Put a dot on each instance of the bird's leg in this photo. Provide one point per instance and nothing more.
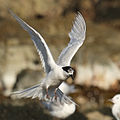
(55, 94)
(47, 95)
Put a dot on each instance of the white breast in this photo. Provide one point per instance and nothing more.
(116, 111)
(55, 77)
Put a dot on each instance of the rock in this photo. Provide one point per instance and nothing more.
(92, 9)
(98, 10)
(30, 8)
(85, 103)
(95, 115)
(16, 58)
(88, 8)
(28, 78)
(106, 10)
(102, 76)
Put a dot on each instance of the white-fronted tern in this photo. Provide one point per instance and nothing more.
(57, 72)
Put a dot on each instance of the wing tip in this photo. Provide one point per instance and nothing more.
(79, 27)
(80, 18)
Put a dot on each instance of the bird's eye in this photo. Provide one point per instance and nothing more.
(70, 70)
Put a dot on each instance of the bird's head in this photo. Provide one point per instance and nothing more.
(115, 99)
(69, 71)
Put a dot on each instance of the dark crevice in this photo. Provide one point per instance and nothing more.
(36, 62)
(39, 16)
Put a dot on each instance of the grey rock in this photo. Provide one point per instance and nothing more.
(97, 115)
(28, 78)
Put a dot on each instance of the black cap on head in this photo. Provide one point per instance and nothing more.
(66, 68)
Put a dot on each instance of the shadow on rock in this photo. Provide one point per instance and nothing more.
(77, 116)
(106, 111)
(30, 111)
(26, 112)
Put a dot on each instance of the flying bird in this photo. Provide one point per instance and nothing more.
(116, 106)
(56, 72)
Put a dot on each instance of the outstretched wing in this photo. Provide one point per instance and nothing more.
(77, 37)
(41, 46)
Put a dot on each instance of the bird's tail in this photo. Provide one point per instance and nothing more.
(63, 98)
(40, 92)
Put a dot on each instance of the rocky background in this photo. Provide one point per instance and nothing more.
(97, 63)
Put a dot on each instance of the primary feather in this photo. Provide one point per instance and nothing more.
(77, 37)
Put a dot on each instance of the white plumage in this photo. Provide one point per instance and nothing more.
(116, 106)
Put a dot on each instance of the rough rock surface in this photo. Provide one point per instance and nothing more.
(29, 8)
(97, 115)
(32, 109)
(28, 78)
(92, 9)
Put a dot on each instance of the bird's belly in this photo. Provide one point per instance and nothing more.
(54, 79)
(55, 83)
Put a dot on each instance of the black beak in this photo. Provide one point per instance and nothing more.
(72, 77)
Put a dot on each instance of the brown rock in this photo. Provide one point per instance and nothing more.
(28, 8)
(97, 116)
